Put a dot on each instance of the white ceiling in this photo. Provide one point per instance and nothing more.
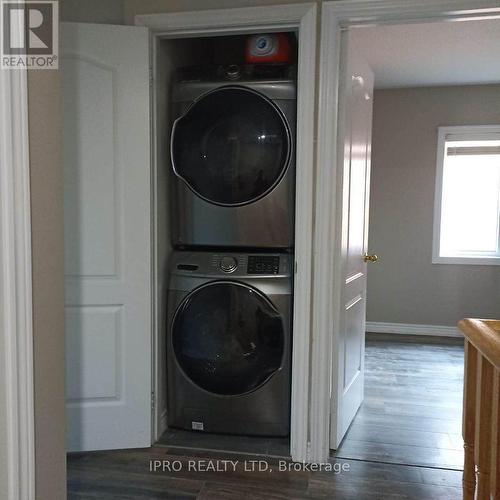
(415, 55)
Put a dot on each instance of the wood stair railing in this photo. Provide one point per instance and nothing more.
(481, 410)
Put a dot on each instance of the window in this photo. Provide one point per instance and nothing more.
(467, 203)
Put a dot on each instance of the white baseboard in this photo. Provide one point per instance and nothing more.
(413, 329)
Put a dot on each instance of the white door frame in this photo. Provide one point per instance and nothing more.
(16, 320)
(336, 17)
(302, 18)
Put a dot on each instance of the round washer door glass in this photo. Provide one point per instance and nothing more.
(228, 338)
(232, 146)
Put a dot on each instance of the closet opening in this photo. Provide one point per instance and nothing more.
(224, 127)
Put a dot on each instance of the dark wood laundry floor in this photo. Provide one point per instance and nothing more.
(255, 445)
(405, 443)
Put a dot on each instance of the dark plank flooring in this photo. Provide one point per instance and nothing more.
(412, 412)
(274, 447)
(127, 475)
(404, 444)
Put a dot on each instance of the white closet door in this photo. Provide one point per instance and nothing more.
(106, 154)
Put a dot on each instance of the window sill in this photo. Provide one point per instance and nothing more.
(468, 261)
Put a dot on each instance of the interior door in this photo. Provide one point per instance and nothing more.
(355, 123)
(106, 155)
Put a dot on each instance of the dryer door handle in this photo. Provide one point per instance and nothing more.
(172, 135)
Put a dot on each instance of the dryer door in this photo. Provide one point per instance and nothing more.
(228, 338)
(232, 146)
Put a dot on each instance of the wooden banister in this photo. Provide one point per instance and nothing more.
(484, 334)
(481, 409)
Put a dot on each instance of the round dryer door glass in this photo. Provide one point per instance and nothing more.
(232, 146)
(228, 338)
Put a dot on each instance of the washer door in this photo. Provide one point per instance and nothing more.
(228, 338)
(232, 146)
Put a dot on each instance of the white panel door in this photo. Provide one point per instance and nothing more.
(106, 155)
(355, 137)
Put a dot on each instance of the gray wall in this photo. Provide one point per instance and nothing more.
(92, 11)
(404, 286)
(124, 11)
(48, 283)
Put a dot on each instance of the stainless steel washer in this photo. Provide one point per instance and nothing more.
(232, 152)
(229, 342)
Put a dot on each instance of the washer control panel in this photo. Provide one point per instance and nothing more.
(228, 264)
(263, 264)
(237, 265)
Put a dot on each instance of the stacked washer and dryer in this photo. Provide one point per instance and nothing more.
(230, 289)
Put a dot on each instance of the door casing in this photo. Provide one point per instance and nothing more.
(300, 18)
(17, 398)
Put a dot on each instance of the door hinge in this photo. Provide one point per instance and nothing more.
(151, 77)
(153, 401)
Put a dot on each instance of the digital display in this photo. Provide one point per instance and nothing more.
(263, 264)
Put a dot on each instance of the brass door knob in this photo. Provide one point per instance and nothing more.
(370, 258)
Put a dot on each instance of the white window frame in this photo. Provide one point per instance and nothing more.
(467, 132)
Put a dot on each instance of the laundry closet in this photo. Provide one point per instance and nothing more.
(180, 203)
(225, 206)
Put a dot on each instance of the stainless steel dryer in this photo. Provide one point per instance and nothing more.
(232, 151)
(229, 343)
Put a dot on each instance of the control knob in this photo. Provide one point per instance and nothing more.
(228, 264)
(232, 72)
